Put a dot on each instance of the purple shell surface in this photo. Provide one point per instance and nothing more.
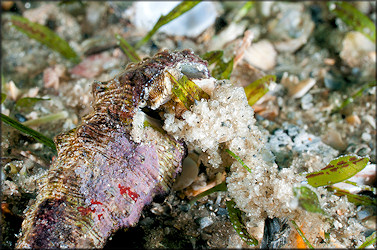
(102, 178)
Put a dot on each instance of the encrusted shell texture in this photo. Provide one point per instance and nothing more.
(102, 178)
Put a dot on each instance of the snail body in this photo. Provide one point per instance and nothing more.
(104, 175)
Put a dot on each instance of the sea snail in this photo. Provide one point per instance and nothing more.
(104, 175)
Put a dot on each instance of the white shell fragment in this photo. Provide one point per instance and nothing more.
(144, 15)
(296, 88)
(334, 139)
(261, 55)
(230, 33)
(189, 173)
(14, 92)
(291, 31)
(207, 85)
(358, 49)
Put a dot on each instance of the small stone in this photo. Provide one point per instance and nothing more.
(306, 102)
(353, 120)
(261, 55)
(370, 120)
(221, 211)
(52, 75)
(333, 82)
(157, 208)
(333, 139)
(291, 30)
(296, 88)
(184, 207)
(370, 223)
(189, 173)
(145, 14)
(364, 213)
(205, 222)
(6, 5)
(14, 92)
(366, 137)
(357, 49)
(20, 117)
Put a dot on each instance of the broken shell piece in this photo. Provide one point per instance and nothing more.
(295, 88)
(353, 120)
(370, 222)
(370, 120)
(230, 33)
(194, 192)
(207, 85)
(261, 55)
(358, 50)
(10, 189)
(189, 173)
(267, 107)
(6, 5)
(52, 75)
(14, 92)
(41, 14)
(144, 15)
(329, 61)
(244, 74)
(246, 41)
(333, 139)
(291, 31)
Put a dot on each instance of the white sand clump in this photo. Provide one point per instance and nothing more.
(226, 121)
(265, 191)
(225, 117)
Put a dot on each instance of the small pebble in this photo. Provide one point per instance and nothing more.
(205, 222)
(370, 120)
(334, 139)
(189, 173)
(366, 137)
(364, 213)
(222, 211)
(333, 82)
(306, 102)
(184, 207)
(20, 118)
(353, 120)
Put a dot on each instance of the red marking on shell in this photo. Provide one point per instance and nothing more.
(341, 163)
(95, 202)
(100, 216)
(130, 193)
(313, 175)
(334, 169)
(353, 158)
(345, 165)
(85, 210)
